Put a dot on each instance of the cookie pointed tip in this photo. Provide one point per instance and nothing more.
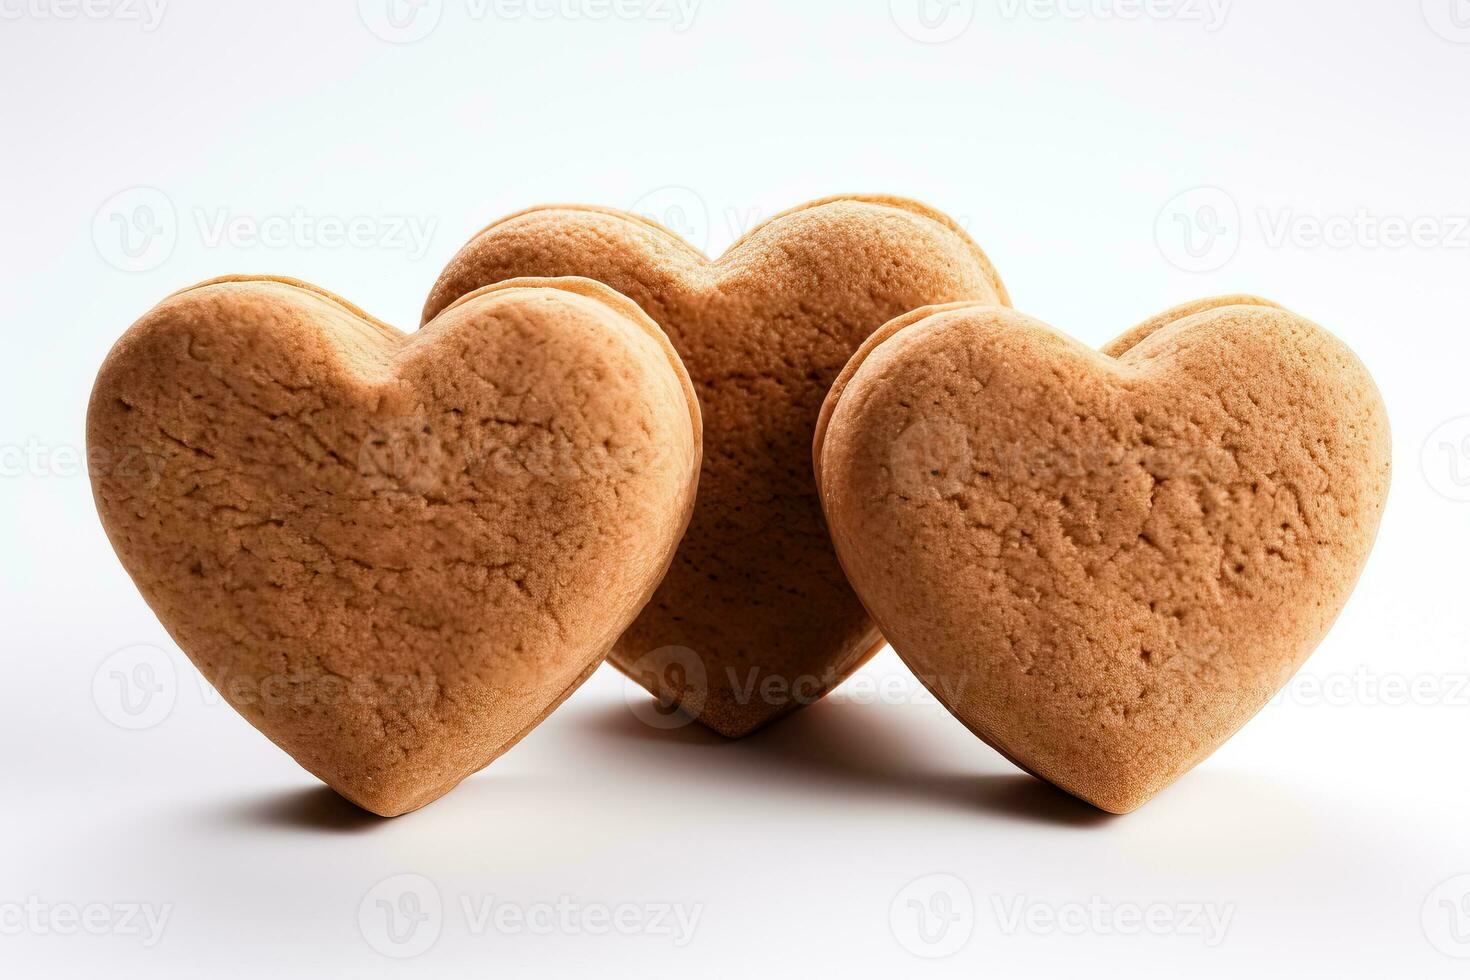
(739, 724)
(1118, 800)
(730, 727)
(388, 802)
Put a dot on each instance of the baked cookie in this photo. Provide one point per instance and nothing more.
(394, 554)
(1104, 563)
(755, 617)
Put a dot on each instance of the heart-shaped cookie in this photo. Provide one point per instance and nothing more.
(395, 554)
(755, 617)
(1104, 563)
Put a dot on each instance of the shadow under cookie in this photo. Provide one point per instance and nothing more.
(840, 750)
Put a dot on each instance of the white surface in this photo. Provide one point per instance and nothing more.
(1328, 836)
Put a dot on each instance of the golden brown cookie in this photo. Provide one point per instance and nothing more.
(395, 554)
(755, 617)
(1104, 563)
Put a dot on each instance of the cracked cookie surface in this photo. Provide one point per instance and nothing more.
(755, 617)
(394, 554)
(1104, 563)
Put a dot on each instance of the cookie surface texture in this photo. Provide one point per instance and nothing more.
(394, 554)
(755, 617)
(1104, 563)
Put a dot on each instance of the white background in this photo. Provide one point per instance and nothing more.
(1113, 162)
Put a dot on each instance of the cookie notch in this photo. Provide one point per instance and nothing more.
(331, 370)
(819, 277)
(1331, 561)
